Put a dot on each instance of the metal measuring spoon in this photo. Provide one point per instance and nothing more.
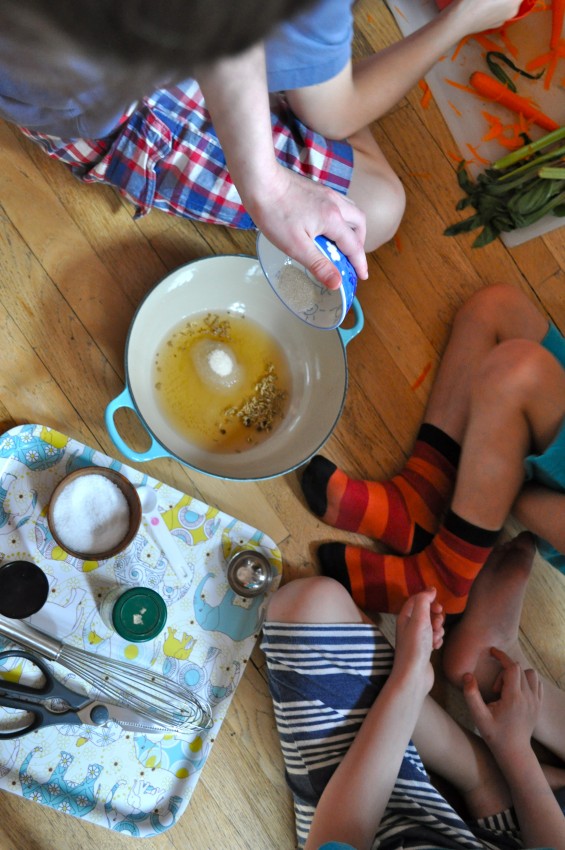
(160, 531)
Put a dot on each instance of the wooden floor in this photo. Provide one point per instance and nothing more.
(74, 265)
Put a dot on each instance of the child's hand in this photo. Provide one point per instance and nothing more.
(506, 724)
(419, 630)
(482, 15)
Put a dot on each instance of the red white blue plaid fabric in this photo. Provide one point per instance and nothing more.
(166, 155)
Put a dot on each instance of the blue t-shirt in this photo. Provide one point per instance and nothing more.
(311, 48)
(335, 845)
(66, 98)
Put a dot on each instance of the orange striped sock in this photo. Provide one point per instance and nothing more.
(403, 512)
(382, 583)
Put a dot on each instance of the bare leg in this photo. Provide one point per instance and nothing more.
(375, 189)
(490, 316)
(517, 401)
(492, 618)
(541, 510)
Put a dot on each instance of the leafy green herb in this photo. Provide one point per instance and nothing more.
(515, 191)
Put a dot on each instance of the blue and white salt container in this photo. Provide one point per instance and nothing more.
(306, 297)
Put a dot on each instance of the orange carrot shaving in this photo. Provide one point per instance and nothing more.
(397, 242)
(421, 378)
(370, 19)
(459, 47)
(557, 18)
(496, 130)
(509, 45)
(457, 111)
(460, 86)
(538, 61)
(507, 135)
(400, 12)
(551, 68)
(492, 89)
(427, 94)
(454, 156)
(485, 42)
(476, 155)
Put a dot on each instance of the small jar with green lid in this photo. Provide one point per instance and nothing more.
(137, 614)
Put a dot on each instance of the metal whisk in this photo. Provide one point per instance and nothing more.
(151, 695)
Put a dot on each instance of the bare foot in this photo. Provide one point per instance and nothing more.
(492, 615)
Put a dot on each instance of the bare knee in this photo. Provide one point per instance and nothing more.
(386, 212)
(504, 311)
(513, 370)
(376, 189)
(316, 599)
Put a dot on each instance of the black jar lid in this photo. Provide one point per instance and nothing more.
(24, 589)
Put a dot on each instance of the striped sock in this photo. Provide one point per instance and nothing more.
(404, 512)
(382, 583)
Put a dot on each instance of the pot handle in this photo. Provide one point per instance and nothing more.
(155, 450)
(347, 334)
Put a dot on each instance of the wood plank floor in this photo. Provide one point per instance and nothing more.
(74, 265)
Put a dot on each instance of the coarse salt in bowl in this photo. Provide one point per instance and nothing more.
(304, 296)
(94, 513)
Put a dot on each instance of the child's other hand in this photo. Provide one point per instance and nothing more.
(419, 630)
(479, 15)
(507, 723)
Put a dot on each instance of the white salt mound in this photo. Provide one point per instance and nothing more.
(216, 364)
(91, 514)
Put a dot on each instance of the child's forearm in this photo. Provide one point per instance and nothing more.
(541, 820)
(366, 90)
(353, 802)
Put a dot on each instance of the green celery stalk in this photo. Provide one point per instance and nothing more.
(533, 164)
(527, 150)
(549, 173)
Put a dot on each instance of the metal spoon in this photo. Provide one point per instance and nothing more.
(160, 531)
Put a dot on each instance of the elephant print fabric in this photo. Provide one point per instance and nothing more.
(100, 773)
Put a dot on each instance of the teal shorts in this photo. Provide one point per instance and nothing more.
(548, 468)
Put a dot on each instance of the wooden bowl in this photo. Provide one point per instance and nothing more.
(129, 492)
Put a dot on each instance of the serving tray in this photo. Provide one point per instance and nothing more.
(521, 41)
(133, 783)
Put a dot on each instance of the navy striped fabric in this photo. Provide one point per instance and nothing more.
(323, 680)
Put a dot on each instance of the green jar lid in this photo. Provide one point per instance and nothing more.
(139, 614)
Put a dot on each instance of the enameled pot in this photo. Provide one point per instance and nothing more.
(317, 363)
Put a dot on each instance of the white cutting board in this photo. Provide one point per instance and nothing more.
(463, 111)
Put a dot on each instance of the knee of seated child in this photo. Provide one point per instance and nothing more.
(490, 302)
(516, 368)
(315, 599)
(384, 211)
(376, 190)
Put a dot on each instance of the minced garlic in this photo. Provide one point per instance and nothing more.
(260, 410)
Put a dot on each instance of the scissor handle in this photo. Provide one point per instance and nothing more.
(17, 688)
(35, 697)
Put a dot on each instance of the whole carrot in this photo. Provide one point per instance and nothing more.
(492, 89)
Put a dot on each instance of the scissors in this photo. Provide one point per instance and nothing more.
(52, 703)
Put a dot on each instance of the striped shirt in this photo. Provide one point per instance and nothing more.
(323, 680)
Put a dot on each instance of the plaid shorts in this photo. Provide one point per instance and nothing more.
(166, 155)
